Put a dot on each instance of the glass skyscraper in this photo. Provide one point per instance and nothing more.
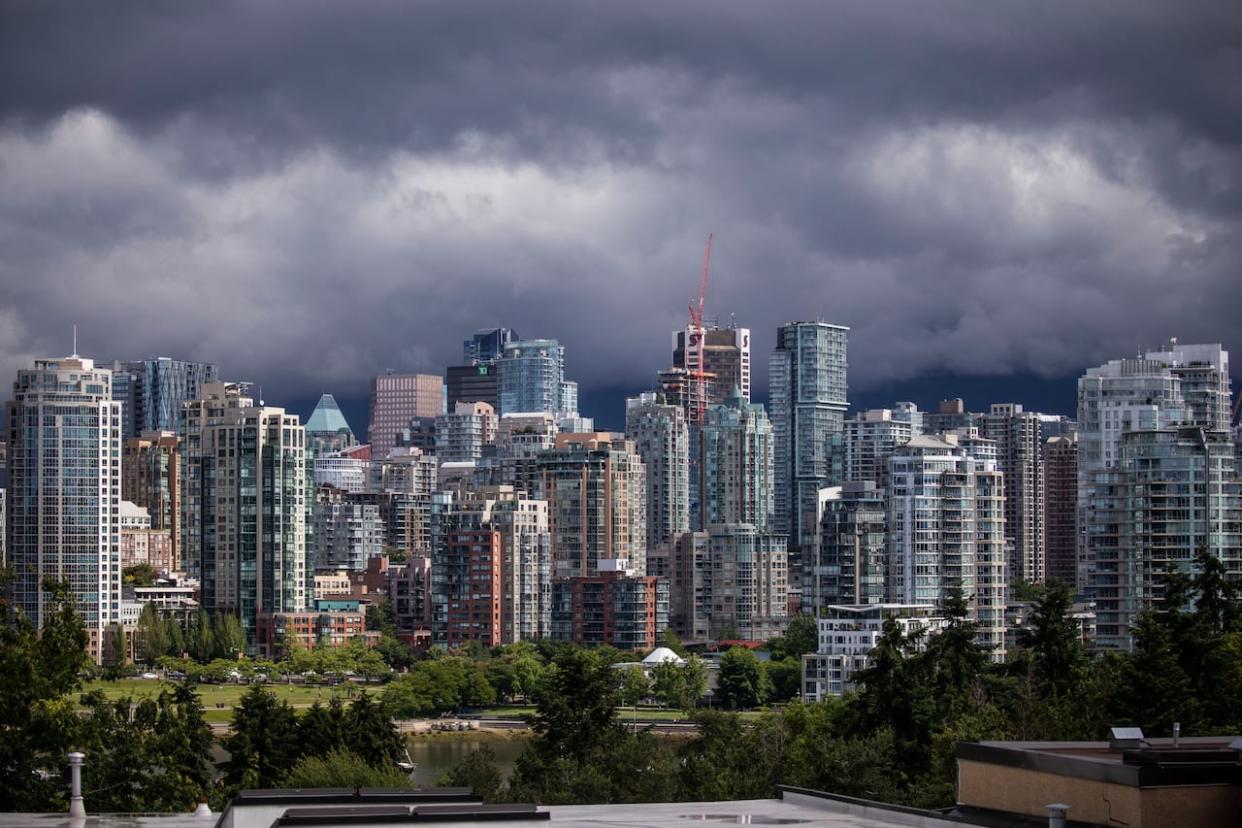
(153, 391)
(532, 378)
(807, 395)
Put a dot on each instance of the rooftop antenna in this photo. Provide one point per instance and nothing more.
(75, 339)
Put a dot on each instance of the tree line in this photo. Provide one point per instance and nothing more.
(893, 737)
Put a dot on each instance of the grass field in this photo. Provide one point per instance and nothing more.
(219, 699)
(222, 697)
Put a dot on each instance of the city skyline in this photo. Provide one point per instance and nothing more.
(1000, 197)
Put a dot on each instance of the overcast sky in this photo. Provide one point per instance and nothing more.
(308, 193)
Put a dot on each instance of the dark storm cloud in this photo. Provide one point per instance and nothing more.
(312, 192)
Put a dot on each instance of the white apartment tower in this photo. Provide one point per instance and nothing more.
(1152, 430)
(64, 490)
(946, 529)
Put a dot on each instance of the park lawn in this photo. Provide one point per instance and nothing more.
(222, 696)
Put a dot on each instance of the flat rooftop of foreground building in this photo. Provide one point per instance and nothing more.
(1131, 781)
(388, 809)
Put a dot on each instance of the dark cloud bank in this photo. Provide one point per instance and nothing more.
(311, 192)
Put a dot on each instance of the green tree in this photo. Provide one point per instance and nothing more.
(36, 720)
(228, 638)
(151, 637)
(801, 636)
(342, 769)
(183, 743)
(478, 772)
(1154, 691)
(954, 661)
(142, 574)
(894, 692)
(784, 677)
(634, 686)
(679, 685)
(743, 683)
(263, 744)
(322, 728)
(669, 638)
(1052, 638)
(199, 639)
(370, 733)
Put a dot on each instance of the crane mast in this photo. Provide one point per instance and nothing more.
(698, 344)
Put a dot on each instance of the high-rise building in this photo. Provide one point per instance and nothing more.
(736, 469)
(731, 580)
(327, 429)
(596, 489)
(519, 440)
(946, 524)
(615, 606)
(950, 415)
(1019, 456)
(491, 569)
(849, 565)
(532, 378)
(487, 345)
(726, 359)
(395, 400)
(807, 395)
(349, 529)
(150, 478)
(246, 505)
(1173, 492)
(1161, 391)
(462, 434)
(472, 383)
(64, 492)
(1061, 509)
(661, 438)
(870, 439)
(154, 390)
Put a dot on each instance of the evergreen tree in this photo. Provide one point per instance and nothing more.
(322, 729)
(1154, 690)
(36, 671)
(954, 660)
(183, 743)
(1053, 640)
(262, 746)
(228, 639)
(371, 735)
(150, 637)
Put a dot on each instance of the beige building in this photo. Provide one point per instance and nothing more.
(395, 400)
(596, 488)
(1188, 783)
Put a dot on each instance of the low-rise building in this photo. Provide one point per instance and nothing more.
(847, 635)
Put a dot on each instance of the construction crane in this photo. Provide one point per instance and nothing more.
(1237, 406)
(698, 344)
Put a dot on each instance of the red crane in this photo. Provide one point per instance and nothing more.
(698, 342)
